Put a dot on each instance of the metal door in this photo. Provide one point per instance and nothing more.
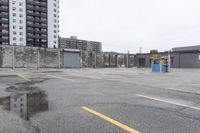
(141, 62)
(72, 60)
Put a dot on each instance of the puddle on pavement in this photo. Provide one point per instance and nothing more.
(25, 100)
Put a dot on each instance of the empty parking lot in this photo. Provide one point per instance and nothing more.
(107, 101)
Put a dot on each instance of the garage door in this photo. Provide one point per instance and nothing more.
(72, 60)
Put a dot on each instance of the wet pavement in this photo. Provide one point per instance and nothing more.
(144, 101)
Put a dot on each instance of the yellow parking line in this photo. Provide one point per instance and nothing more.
(169, 102)
(126, 128)
(60, 78)
(23, 77)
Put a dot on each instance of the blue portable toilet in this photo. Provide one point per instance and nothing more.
(160, 64)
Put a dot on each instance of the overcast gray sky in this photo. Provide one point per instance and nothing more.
(123, 25)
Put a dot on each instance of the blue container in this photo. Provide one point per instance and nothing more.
(165, 68)
(158, 68)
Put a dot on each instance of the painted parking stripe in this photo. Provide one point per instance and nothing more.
(169, 102)
(125, 127)
(60, 78)
(23, 77)
(181, 90)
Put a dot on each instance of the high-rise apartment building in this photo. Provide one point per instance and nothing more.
(29, 22)
(84, 45)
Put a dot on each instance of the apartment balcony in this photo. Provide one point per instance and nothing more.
(32, 8)
(36, 31)
(3, 21)
(37, 3)
(29, 13)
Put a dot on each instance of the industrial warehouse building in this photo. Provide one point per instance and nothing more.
(181, 57)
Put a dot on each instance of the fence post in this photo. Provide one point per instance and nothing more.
(109, 60)
(38, 59)
(13, 57)
(95, 60)
(58, 58)
(128, 59)
(117, 60)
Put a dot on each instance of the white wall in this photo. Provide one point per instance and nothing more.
(17, 13)
(53, 23)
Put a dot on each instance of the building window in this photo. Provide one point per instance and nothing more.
(14, 8)
(21, 110)
(14, 20)
(14, 32)
(20, 4)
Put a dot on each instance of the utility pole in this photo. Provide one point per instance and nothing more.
(13, 57)
(59, 58)
(140, 50)
(169, 60)
(128, 59)
(38, 58)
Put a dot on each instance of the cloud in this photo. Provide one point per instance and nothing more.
(123, 25)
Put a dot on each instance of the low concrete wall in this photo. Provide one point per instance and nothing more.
(29, 57)
(34, 57)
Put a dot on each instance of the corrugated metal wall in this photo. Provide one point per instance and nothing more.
(72, 60)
